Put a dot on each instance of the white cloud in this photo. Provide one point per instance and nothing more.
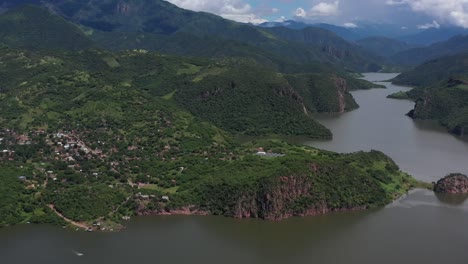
(237, 10)
(325, 9)
(322, 9)
(247, 18)
(300, 12)
(350, 25)
(450, 11)
(434, 24)
(395, 2)
(281, 19)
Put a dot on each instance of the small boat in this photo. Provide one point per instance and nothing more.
(78, 253)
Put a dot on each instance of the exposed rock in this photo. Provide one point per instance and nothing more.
(453, 183)
(276, 200)
(288, 91)
(342, 86)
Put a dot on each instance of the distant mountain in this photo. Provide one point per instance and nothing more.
(383, 46)
(350, 34)
(287, 24)
(455, 45)
(160, 26)
(434, 71)
(434, 35)
(31, 27)
(338, 48)
(360, 31)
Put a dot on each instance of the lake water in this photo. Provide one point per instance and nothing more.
(419, 228)
(424, 149)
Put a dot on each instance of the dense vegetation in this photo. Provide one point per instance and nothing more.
(100, 135)
(416, 56)
(441, 91)
(20, 203)
(160, 26)
(383, 46)
(306, 181)
(30, 27)
(434, 71)
(135, 131)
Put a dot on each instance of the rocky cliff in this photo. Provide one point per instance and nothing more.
(453, 183)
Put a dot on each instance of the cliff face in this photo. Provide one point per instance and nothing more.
(289, 92)
(285, 197)
(277, 199)
(453, 183)
(343, 92)
(445, 103)
(273, 201)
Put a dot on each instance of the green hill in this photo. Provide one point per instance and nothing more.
(435, 71)
(442, 91)
(100, 123)
(416, 56)
(30, 27)
(383, 46)
(93, 135)
(446, 102)
(160, 26)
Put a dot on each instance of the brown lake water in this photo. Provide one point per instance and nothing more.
(424, 149)
(419, 228)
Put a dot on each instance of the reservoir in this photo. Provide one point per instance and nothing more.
(424, 149)
(419, 228)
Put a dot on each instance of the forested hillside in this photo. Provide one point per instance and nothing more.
(441, 91)
(90, 135)
(160, 26)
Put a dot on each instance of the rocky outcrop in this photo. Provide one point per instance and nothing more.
(283, 198)
(453, 183)
(274, 199)
(289, 92)
(342, 92)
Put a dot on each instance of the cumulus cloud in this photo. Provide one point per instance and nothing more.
(322, 9)
(281, 19)
(300, 12)
(395, 2)
(237, 10)
(350, 25)
(434, 24)
(450, 11)
(325, 9)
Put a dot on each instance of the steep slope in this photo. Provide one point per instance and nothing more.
(337, 49)
(446, 102)
(100, 136)
(163, 27)
(278, 103)
(31, 27)
(433, 35)
(417, 56)
(236, 95)
(383, 46)
(434, 71)
(442, 92)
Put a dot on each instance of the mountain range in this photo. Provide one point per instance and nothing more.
(103, 127)
(163, 27)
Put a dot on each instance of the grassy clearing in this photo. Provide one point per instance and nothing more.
(210, 71)
(189, 69)
(170, 95)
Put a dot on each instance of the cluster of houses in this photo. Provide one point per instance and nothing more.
(163, 198)
(263, 153)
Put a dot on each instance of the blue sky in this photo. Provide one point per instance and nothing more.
(407, 13)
